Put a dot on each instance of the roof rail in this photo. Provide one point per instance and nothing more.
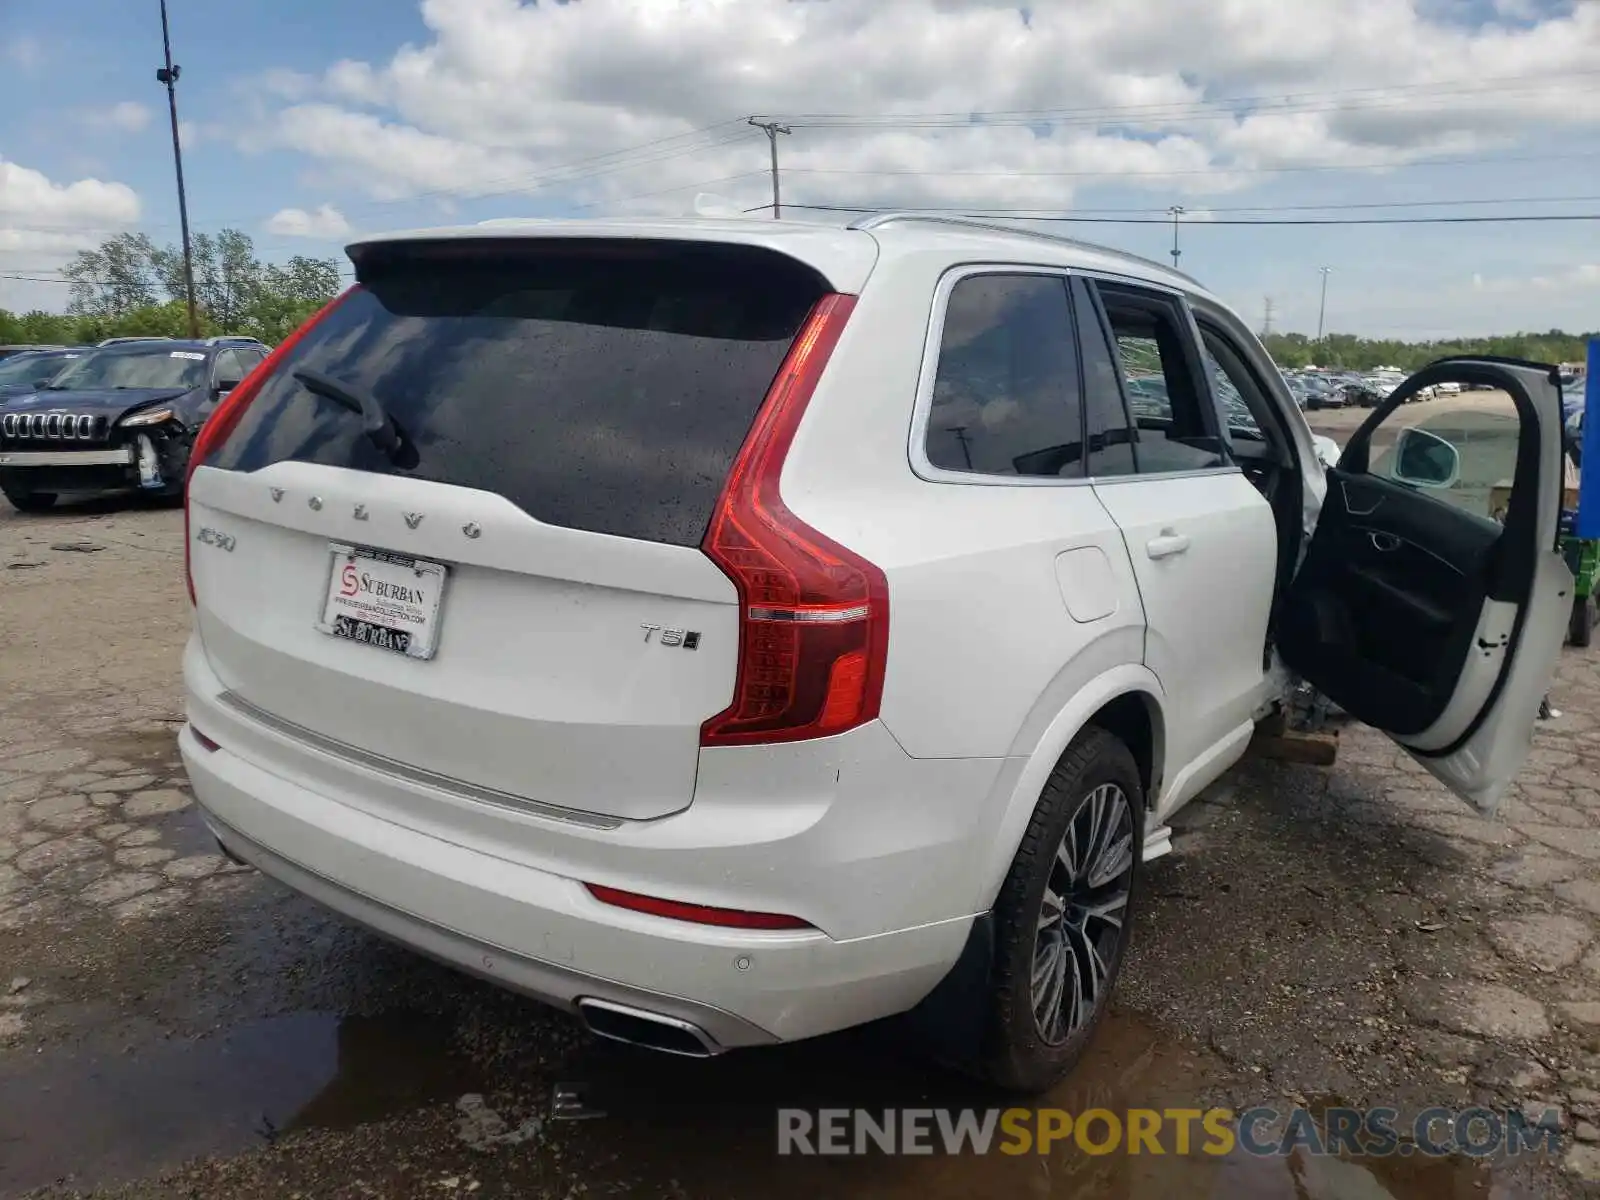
(117, 341)
(874, 220)
(220, 338)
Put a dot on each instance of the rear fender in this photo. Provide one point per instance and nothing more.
(1016, 804)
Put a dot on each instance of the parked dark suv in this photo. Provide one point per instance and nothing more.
(30, 370)
(122, 417)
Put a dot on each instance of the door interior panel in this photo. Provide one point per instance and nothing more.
(1385, 606)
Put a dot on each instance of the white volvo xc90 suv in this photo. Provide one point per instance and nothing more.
(737, 630)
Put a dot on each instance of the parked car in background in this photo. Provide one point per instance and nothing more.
(7, 351)
(1364, 392)
(32, 369)
(1312, 392)
(1573, 395)
(590, 604)
(118, 417)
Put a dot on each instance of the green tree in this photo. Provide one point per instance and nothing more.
(227, 274)
(289, 293)
(129, 286)
(115, 278)
(1350, 352)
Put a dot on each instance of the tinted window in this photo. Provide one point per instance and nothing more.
(1167, 400)
(130, 367)
(1240, 394)
(31, 369)
(1111, 433)
(1005, 398)
(230, 365)
(600, 386)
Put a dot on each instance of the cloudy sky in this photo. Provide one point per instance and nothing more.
(307, 121)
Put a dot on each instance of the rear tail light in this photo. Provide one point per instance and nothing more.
(813, 616)
(226, 417)
(699, 914)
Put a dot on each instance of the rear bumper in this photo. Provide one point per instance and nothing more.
(515, 910)
(542, 979)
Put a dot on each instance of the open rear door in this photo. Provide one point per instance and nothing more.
(1433, 599)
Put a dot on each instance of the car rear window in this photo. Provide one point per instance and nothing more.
(597, 385)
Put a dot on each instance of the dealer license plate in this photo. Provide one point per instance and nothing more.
(384, 600)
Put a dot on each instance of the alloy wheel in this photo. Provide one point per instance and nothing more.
(1081, 914)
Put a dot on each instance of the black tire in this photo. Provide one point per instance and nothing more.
(1018, 1053)
(1580, 630)
(31, 502)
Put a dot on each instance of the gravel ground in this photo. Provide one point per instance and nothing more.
(173, 1026)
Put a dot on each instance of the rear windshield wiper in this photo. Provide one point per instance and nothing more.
(376, 423)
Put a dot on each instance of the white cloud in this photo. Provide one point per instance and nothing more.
(43, 223)
(126, 116)
(1576, 278)
(326, 222)
(396, 159)
(505, 94)
(30, 202)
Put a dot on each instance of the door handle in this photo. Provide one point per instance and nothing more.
(1168, 543)
(1384, 542)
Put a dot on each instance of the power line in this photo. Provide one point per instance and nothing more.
(1352, 98)
(600, 164)
(682, 187)
(643, 155)
(1012, 214)
(1363, 205)
(1220, 170)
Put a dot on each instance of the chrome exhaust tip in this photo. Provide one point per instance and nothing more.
(639, 1027)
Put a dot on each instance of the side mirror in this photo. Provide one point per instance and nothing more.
(223, 387)
(1425, 459)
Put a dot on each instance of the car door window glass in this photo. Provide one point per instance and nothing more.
(1005, 395)
(1166, 398)
(1245, 408)
(229, 368)
(1465, 458)
(1110, 430)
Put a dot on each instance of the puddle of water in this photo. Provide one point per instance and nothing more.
(99, 1117)
(712, 1128)
(671, 1126)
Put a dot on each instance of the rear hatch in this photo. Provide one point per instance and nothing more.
(514, 597)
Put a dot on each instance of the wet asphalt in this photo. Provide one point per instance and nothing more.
(196, 1030)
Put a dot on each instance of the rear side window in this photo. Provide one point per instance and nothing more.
(1161, 379)
(604, 386)
(1005, 397)
(1111, 431)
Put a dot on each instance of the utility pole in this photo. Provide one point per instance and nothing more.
(169, 76)
(772, 129)
(1177, 211)
(1266, 318)
(1322, 309)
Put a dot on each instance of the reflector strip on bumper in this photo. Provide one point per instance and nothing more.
(66, 458)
